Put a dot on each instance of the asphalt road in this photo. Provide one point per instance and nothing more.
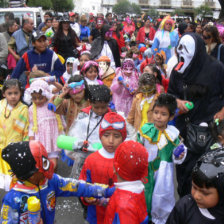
(68, 210)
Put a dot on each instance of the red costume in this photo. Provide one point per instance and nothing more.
(126, 207)
(120, 41)
(98, 167)
(141, 35)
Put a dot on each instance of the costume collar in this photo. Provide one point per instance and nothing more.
(153, 135)
(106, 154)
(132, 186)
(28, 187)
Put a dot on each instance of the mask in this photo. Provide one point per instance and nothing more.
(103, 65)
(76, 87)
(43, 164)
(185, 51)
(128, 70)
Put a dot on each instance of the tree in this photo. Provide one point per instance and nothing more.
(221, 15)
(45, 4)
(62, 6)
(123, 7)
(179, 12)
(203, 11)
(135, 8)
(153, 13)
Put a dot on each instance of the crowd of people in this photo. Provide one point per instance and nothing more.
(132, 99)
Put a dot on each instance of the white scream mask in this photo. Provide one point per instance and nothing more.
(186, 51)
(103, 66)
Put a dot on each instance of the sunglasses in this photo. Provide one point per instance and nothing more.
(206, 37)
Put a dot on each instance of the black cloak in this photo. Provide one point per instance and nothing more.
(97, 46)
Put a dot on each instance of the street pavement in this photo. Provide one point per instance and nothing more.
(68, 209)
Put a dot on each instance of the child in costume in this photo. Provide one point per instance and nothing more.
(71, 67)
(124, 86)
(84, 57)
(107, 73)
(72, 100)
(166, 38)
(90, 71)
(205, 203)
(45, 125)
(160, 141)
(161, 82)
(14, 124)
(98, 167)
(34, 177)
(127, 204)
(143, 102)
(86, 128)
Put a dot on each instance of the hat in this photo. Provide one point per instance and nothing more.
(26, 158)
(20, 159)
(103, 58)
(113, 121)
(131, 161)
(37, 35)
(71, 14)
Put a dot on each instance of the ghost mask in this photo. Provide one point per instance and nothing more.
(103, 66)
(185, 52)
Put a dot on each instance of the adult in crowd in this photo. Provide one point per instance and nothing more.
(198, 78)
(3, 49)
(73, 18)
(47, 15)
(21, 40)
(108, 19)
(8, 16)
(199, 29)
(65, 40)
(166, 38)
(105, 45)
(182, 28)
(12, 26)
(54, 28)
(146, 33)
(96, 31)
(129, 27)
(48, 25)
(118, 35)
(91, 22)
(85, 31)
(214, 46)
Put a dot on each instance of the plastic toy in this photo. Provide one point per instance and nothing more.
(178, 150)
(131, 91)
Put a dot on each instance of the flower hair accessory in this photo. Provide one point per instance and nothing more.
(89, 64)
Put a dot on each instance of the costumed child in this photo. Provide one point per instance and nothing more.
(14, 124)
(107, 73)
(72, 100)
(90, 71)
(160, 59)
(35, 177)
(86, 128)
(217, 131)
(45, 125)
(98, 167)
(166, 38)
(161, 141)
(124, 86)
(127, 204)
(161, 82)
(71, 67)
(84, 57)
(141, 109)
(205, 203)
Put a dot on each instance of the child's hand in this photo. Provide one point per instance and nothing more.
(66, 88)
(91, 201)
(34, 69)
(181, 156)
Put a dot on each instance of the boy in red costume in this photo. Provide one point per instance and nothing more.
(98, 167)
(127, 205)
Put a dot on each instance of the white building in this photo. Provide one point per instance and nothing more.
(166, 6)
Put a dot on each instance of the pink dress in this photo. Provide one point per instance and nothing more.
(47, 132)
(122, 98)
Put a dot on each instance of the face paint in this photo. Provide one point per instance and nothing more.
(128, 70)
(185, 51)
